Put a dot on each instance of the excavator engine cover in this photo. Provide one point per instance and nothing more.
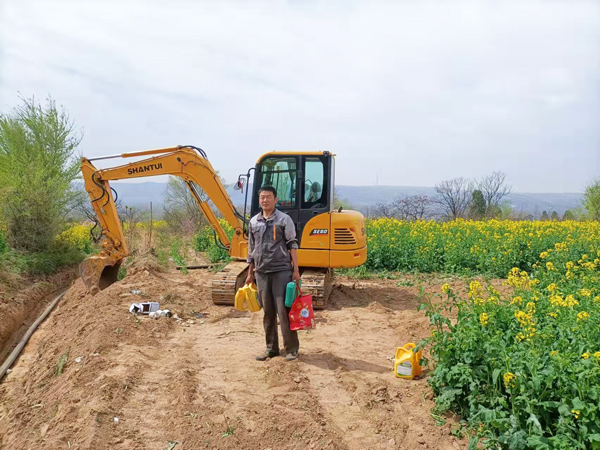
(99, 272)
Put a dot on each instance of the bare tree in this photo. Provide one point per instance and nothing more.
(414, 207)
(181, 211)
(454, 196)
(494, 189)
(384, 210)
(180, 208)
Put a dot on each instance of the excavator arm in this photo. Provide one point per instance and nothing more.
(187, 162)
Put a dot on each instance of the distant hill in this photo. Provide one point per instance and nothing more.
(362, 198)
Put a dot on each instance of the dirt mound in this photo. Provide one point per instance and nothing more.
(95, 376)
(142, 262)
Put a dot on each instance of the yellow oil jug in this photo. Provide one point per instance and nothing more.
(406, 363)
(246, 298)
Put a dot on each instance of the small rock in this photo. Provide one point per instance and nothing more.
(9, 371)
(116, 419)
(392, 441)
(79, 359)
(297, 380)
(421, 441)
(44, 429)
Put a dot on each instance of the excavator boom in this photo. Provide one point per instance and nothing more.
(189, 163)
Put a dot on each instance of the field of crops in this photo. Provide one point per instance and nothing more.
(523, 368)
(474, 247)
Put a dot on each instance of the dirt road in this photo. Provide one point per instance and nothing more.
(138, 383)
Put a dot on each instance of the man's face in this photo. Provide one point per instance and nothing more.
(267, 200)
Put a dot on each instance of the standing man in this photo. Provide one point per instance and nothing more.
(272, 248)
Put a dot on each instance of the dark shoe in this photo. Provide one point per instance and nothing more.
(291, 356)
(266, 355)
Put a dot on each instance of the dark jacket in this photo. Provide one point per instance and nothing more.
(269, 242)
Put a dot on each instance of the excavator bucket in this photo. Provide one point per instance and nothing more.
(99, 272)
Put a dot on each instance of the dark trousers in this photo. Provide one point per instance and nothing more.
(271, 290)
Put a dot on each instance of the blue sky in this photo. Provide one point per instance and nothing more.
(405, 93)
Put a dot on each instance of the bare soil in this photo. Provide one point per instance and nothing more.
(95, 376)
(22, 300)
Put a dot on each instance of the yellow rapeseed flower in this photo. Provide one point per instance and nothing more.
(445, 288)
(586, 355)
(582, 316)
(509, 379)
(483, 318)
(516, 300)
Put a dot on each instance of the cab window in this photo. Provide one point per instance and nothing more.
(315, 184)
(282, 174)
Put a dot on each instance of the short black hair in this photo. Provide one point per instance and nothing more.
(268, 189)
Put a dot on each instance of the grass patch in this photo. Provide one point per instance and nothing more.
(229, 431)
(44, 263)
(60, 365)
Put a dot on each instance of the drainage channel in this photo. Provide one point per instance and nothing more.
(23, 342)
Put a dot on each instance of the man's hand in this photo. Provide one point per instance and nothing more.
(294, 255)
(250, 277)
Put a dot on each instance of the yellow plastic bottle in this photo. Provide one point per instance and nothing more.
(246, 298)
(406, 363)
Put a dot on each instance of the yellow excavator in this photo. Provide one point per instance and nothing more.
(328, 238)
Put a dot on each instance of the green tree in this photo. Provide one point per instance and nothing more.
(544, 216)
(37, 168)
(568, 215)
(554, 216)
(591, 199)
(478, 205)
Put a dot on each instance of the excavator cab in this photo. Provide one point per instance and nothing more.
(304, 184)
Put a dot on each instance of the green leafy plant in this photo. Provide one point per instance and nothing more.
(523, 367)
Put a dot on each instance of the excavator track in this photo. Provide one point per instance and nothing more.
(315, 282)
(318, 283)
(227, 281)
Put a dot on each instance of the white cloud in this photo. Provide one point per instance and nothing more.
(410, 93)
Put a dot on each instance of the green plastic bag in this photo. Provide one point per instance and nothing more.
(291, 292)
